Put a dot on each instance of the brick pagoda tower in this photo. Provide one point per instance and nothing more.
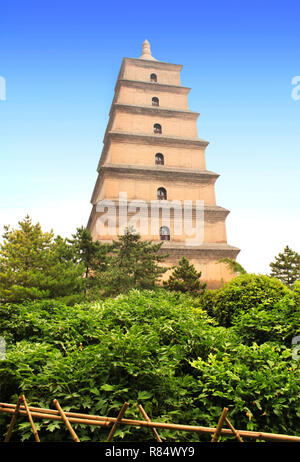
(152, 156)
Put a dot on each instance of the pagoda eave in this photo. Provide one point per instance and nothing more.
(201, 176)
(138, 62)
(153, 86)
(210, 251)
(157, 110)
(212, 213)
(161, 140)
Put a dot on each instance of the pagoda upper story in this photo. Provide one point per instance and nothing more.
(151, 107)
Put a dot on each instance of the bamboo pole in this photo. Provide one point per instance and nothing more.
(234, 431)
(13, 419)
(114, 427)
(65, 419)
(158, 438)
(87, 419)
(53, 412)
(44, 415)
(220, 425)
(36, 436)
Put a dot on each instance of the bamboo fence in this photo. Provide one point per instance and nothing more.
(111, 423)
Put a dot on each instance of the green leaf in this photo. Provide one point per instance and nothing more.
(107, 387)
(95, 391)
(143, 395)
(53, 426)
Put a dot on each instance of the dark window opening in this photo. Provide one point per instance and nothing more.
(159, 159)
(155, 101)
(153, 78)
(162, 194)
(157, 129)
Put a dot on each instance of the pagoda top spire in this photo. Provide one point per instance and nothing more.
(146, 54)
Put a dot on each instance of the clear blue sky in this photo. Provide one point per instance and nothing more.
(61, 60)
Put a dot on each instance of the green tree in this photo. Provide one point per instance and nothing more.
(36, 265)
(134, 263)
(92, 254)
(185, 278)
(286, 267)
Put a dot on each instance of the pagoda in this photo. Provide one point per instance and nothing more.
(152, 173)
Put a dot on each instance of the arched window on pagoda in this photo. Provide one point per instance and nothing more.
(157, 129)
(153, 78)
(162, 194)
(159, 159)
(164, 233)
(155, 101)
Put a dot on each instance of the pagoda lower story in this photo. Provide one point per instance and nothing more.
(152, 173)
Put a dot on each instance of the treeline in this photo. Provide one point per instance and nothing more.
(39, 265)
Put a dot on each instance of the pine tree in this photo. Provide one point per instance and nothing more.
(92, 254)
(34, 264)
(286, 267)
(134, 263)
(185, 278)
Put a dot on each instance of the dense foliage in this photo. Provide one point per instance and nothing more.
(279, 324)
(38, 265)
(35, 265)
(92, 255)
(157, 348)
(184, 353)
(241, 294)
(134, 263)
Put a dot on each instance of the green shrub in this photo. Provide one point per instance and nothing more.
(296, 288)
(259, 384)
(208, 301)
(243, 293)
(157, 348)
(95, 356)
(278, 325)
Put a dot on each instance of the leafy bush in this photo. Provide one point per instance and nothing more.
(243, 293)
(296, 288)
(208, 301)
(260, 384)
(278, 325)
(157, 348)
(49, 321)
(96, 356)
